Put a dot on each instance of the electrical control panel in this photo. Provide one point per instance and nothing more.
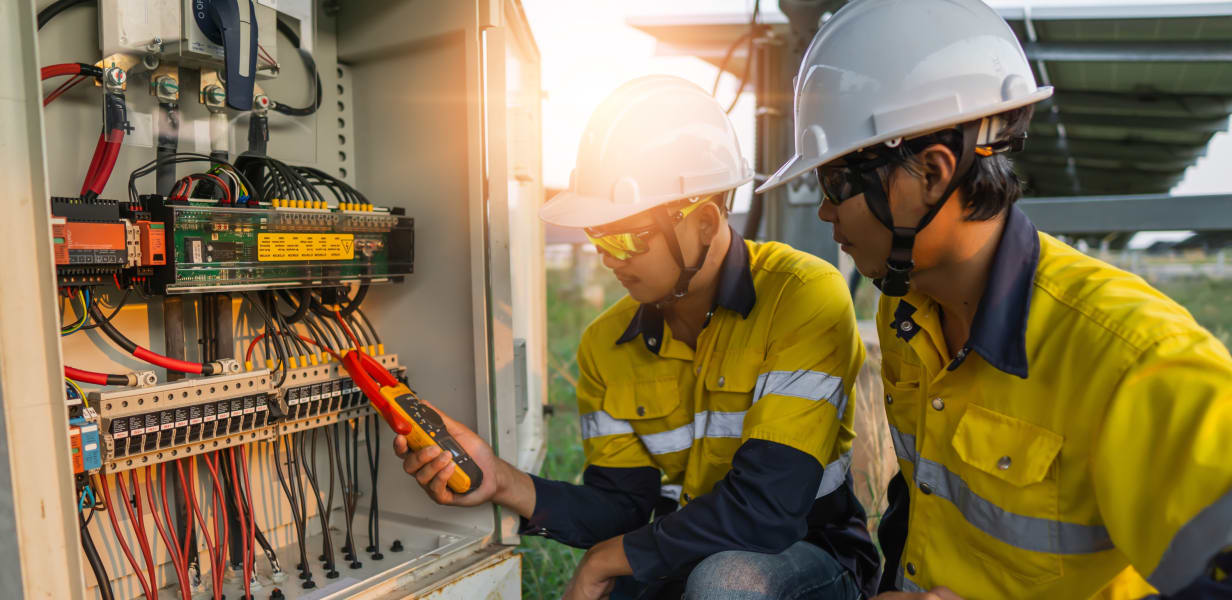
(219, 199)
(219, 248)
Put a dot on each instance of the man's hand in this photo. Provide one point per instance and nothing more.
(937, 593)
(432, 466)
(596, 574)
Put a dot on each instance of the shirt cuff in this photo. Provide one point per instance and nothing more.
(549, 502)
(642, 552)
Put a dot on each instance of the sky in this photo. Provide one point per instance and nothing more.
(588, 50)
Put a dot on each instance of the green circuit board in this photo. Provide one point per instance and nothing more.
(217, 248)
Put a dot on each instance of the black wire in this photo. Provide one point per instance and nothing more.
(376, 336)
(372, 428)
(96, 562)
(319, 308)
(55, 8)
(179, 158)
(311, 65)
(305, 295)
(279, 347)
(288, 491)
(114, 312)
(310, 467)
(302, 496)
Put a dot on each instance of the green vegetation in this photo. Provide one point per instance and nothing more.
(1206, 299)
(547, 565)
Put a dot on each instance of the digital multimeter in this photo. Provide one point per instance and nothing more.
(408, 416)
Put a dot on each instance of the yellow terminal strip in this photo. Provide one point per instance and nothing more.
(248, 365)
(380, 349)
(269, 364)
(291, 362)
(313, 359)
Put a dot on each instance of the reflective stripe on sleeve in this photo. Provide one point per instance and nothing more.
(834, 475)
(599, 424)
(1192, 547)
(712, 424)
(810, 385)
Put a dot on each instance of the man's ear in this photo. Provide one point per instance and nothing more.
(936, 164)
(709, 219)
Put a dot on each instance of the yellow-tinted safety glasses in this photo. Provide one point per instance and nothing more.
(623, 246)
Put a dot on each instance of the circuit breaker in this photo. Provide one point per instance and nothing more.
(218, 200)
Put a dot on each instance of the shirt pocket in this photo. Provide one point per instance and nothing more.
(719, 422)
(654, 410)
(1011, 492)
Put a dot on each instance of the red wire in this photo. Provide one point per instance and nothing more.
(85, 376)
(252, 514)
(338, 315)
(100, 150)
(166, 362)
(180, 553)
(253, 344)
(205, 530)
(61, 69)
(115, 528)
(220, 509)
(111, 152)
(138, 526)
(226, 191)
(64, 87)
(169, 540)
(242, 518)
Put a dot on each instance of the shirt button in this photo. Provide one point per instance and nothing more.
(911, 568)
(722, 381)
(1004, 463)
(697, 370)
(889, 399)
(653, 341)
(926, 489)
(938, 404)
(906, 326)
(641, 411)
(686, 497)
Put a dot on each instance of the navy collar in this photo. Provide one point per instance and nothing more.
(999, 332)
(735, 292)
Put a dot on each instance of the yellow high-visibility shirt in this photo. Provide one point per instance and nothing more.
(1082, 436)
(776, 363)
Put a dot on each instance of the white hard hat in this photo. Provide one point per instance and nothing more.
(880, 70)
(654, 140)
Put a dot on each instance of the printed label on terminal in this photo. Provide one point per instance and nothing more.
(273, 247)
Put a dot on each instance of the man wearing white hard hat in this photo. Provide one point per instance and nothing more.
(717, 394)
(1063, 430)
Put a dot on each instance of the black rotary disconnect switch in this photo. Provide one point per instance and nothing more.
(233, 25)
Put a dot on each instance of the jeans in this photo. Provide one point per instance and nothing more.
(800, 572)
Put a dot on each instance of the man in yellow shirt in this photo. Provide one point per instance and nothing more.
(717, 393)
(1063, 429)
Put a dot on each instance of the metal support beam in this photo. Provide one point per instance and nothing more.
(1145, 104)
(1189, 124)
(1188, 52)
(1141, 151)
(1150, 212)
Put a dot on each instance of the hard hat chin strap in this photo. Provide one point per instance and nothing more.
(663, 219)
(897, 280)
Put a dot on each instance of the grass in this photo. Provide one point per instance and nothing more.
(547, 565)
(577, 295)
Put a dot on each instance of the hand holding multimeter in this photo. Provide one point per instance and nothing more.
(419, 424)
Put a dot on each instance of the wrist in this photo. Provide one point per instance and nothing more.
(514, 490)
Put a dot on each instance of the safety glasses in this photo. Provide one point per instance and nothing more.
(842, 182)
(626, 245)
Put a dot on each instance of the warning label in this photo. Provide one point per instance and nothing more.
(305, 246)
